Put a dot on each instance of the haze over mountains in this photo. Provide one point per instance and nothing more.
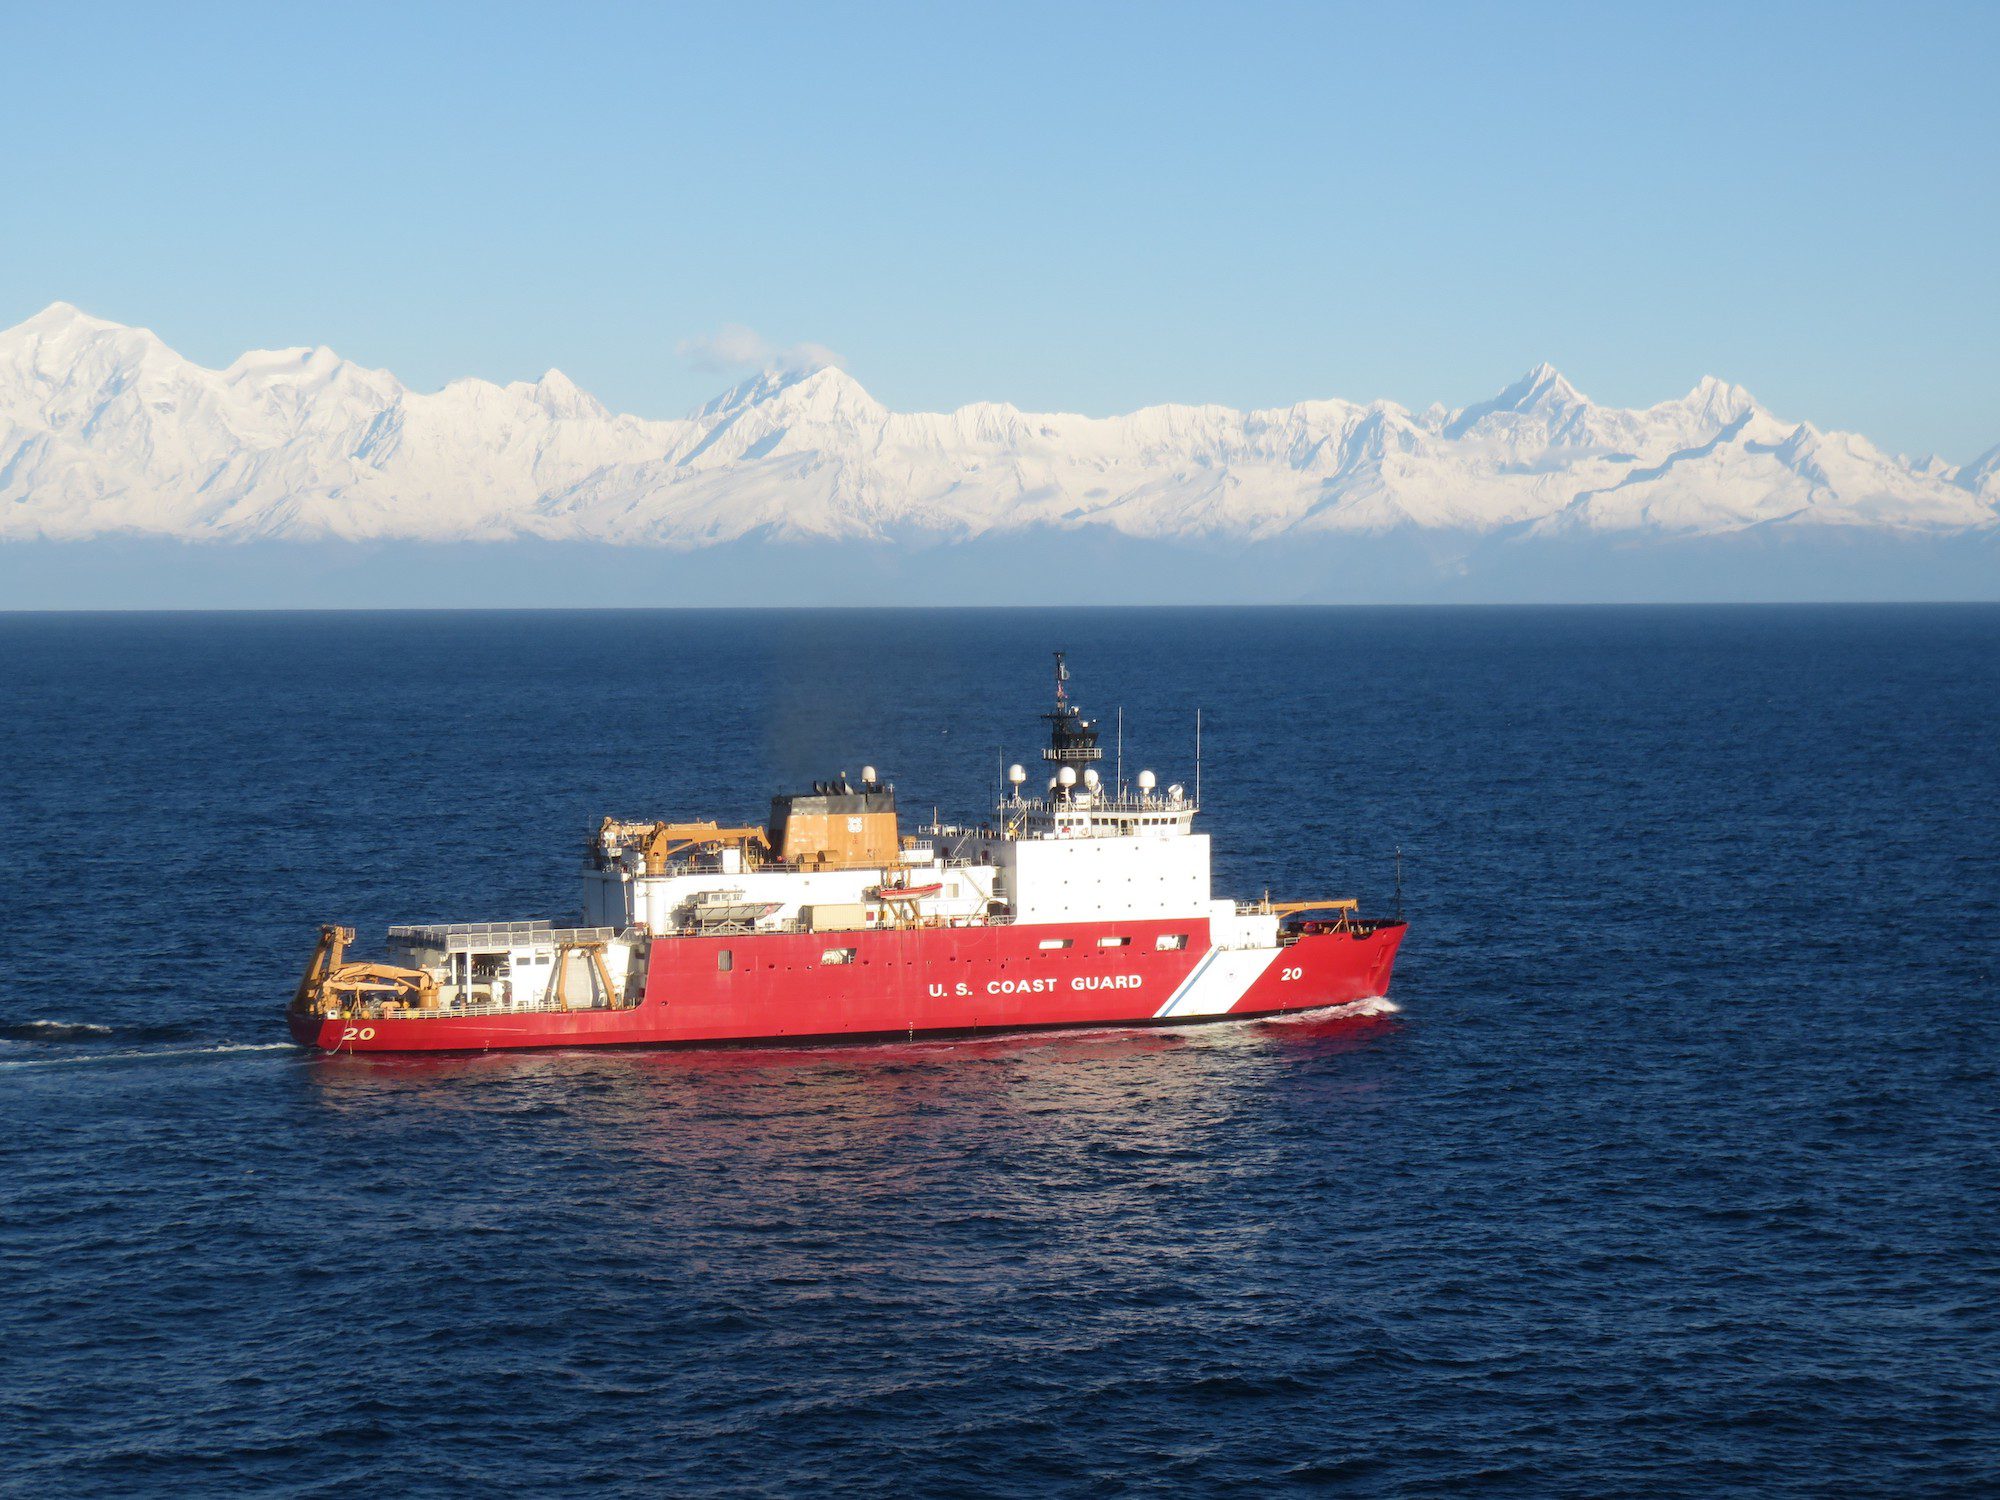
(106, 432)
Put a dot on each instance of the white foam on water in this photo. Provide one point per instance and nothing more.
(143, 1054)
(1374, 1005)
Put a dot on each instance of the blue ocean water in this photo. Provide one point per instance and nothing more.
(1674, 1173)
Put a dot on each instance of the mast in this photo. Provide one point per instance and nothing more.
(1072, 738)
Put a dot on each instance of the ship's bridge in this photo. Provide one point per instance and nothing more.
(1097, 814)
(1088, 848)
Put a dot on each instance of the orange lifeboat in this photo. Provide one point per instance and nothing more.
(909, 892)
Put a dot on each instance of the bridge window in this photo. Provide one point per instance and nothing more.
(1058, 942)
(838, 956)
(1114, 942)
(1170, 942)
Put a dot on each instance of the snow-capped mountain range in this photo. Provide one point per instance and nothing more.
(104, 430)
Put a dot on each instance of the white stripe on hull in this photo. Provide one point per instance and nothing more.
(1221, 979)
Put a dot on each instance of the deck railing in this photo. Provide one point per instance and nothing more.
(493, 937)
(529, 1007)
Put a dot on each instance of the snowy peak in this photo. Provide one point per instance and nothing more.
(58, 316)
(1541, 393)
(562, 398)
(1542, 388)
(1982, 475)
(822, 388)
(105, 429)
(59, 339)
(1718, 400)
(758, 388)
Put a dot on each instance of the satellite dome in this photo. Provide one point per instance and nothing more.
(1067, 776)
(1147, 781)
(1016, 775)
(1090, 777)
(867, 773)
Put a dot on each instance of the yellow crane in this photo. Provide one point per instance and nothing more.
(1287, 908)
(658, 843)
(331, 986)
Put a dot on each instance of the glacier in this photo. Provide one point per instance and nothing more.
(107, 433)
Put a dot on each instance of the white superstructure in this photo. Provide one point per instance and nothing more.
(1039, 862)
(1084, 851)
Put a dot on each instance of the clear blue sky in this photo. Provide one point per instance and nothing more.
(1080, 207)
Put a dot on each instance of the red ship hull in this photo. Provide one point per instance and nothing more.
(917, 982)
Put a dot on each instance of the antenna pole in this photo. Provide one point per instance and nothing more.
(1197, 757)
(1120, 772)
(1399, 882)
